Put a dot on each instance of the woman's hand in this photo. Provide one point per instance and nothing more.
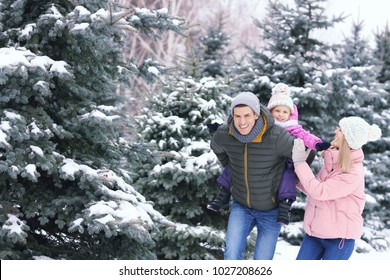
(299, 152)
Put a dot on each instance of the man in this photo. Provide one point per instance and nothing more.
(256, 152)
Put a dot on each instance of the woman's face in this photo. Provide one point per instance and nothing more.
(244, 119)
(338, 139)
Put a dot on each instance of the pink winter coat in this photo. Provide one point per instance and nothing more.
(335, 199)
(296, 130)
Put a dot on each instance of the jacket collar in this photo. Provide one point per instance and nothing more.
(331, 156)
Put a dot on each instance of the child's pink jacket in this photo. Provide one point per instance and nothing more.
(335, 199)
(297, 130)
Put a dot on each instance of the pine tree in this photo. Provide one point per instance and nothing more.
(383, 53)
(184, 181)
(355, 50)
(354, 91)
(65, 186)
(324, 95)
(359, 93)
(215, 54)
(292, 53)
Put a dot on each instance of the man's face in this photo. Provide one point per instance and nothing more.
(244, 119)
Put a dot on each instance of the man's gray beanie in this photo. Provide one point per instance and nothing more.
(246, 98)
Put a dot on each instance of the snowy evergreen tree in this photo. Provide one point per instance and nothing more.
(292, 52)
(343, 92)
(184, 181)
(64, 179)
(215, 54)
(355, 50)
(382, 52)
(324, 95)
(354, 91)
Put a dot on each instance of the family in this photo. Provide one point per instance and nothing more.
(266, 156)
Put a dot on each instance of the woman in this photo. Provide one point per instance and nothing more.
(333, 215)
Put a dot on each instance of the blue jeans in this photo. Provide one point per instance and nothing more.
(241, 222)
(314, 248)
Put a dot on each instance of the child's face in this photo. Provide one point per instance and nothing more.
(281, 113)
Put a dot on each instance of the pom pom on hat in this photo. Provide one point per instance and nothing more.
(358, 132)
(246, 98)
(281, 96)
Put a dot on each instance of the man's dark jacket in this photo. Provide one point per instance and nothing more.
(256, 168)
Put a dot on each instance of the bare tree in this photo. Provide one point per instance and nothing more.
(199, 15)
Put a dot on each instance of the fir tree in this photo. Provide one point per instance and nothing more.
(353, 91)
(355, 50)
(65, 184)
(324, 95)
(215, 55)
(292, 52)
(181, 185)
(382, 53)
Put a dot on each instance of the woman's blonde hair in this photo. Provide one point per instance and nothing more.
(344, 161)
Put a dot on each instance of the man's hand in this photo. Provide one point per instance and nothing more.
(213, 127)
(299, 152)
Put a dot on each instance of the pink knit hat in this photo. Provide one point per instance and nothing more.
(281, 96)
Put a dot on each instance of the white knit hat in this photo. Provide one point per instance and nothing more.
(358, 132)
(281, 96)
(246, 98)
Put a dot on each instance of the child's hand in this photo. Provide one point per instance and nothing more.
(322, 146)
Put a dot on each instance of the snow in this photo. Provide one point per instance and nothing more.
(27, 30)
(82, 11)
(106, 219)
(13, 225)
(162, 11)
(126, 206)
(34, 129)
(15, 57)
(56, 14)
(10, 57)
(37, 150)
(99, 115)
(107, 108)
(12, 115)
(31, 169)
(153, 70)
(70, 168)
(144, 11)
(41, 62)
(59, 67)
(3, 137)
(80, 26)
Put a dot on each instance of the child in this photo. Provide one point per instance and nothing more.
(286, 115)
